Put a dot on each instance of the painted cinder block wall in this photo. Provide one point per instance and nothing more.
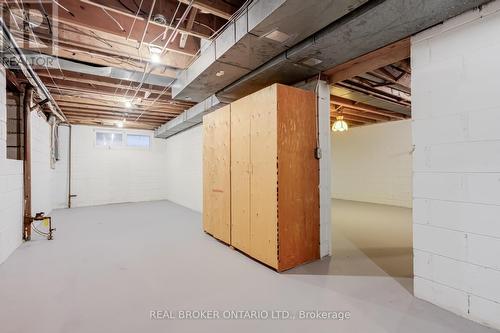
(11, 186)
(456, 132)
(49, 187)
(101, 176)
(184, 168)
(373, 164)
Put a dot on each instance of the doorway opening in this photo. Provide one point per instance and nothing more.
(370, 109)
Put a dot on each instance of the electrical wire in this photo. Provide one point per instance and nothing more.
(66, 9)
(114, 20)
(39, 50)
(215, 35)
(147, 24)
(135, 18)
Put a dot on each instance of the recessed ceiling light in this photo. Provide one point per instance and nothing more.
(219, 73)
(128, 104)
(277, 36)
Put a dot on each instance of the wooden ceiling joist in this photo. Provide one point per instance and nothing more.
(218, 8)
(356, 118)
(119, 34)
(79, 79)
(365, 107)
(379, 58)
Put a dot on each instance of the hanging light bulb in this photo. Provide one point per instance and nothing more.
(340, 125)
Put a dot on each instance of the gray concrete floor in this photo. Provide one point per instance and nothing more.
(109, 266)
(371, 239)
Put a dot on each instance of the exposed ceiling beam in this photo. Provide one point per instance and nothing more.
(377, 93)
(364, 114)
(128, 116)
(366, 63)
(215, 7)
(93, 15)
(80, 108)
(111, 123)
(93, 98)
(189, 26)
(402, 81)
(364, 107)
(348, 116)
(84, 80)
(90, 39)
(203, 27)
(387, 90)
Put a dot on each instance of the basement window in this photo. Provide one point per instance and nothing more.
(15, 125)
(108, 139)
(138, 141)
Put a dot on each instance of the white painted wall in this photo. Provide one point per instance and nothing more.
(184, 168)
(11, 187)
(373, 164)
(456, 130)
(49, 187)
(103, 176)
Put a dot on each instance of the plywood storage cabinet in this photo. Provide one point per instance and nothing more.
(266, 198)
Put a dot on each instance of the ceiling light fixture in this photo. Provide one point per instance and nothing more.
(155, 49)
(219, 73)
(128, 104)
(340, 125)
(119, 124)
(155, 58)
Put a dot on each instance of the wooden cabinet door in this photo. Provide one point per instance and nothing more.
(216, 174)
(263, 178)
(298, 178)
(240, 175)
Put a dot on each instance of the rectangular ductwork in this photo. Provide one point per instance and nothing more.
(261, 31)
(189, 118)
(373, 25)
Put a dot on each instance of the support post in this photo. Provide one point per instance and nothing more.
(322, 89)
(28, 99)
(325, 171)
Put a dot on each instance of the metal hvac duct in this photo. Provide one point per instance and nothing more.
(261, 31)
(111, 72)
(372, 25)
